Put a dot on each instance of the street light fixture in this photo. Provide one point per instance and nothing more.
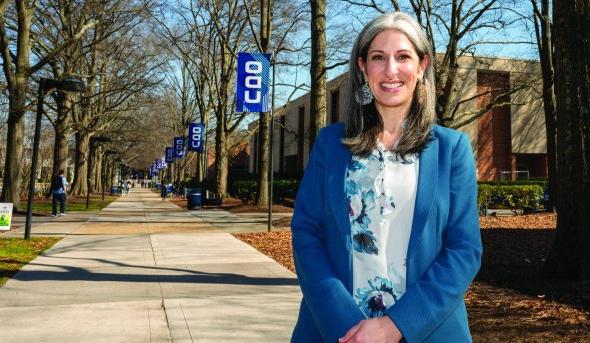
(93, 142)
(46, 86)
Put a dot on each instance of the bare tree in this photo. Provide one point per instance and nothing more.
(15, 47)
(460, 27)
(271, 35)
(188, 42)
(117, 74)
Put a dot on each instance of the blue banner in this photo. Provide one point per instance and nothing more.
(178, 147)
(169, 155)
(196, 137)
(253, 82)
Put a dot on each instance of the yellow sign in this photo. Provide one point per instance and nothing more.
(5, 216)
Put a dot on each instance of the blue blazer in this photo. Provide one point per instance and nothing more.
(444, 251)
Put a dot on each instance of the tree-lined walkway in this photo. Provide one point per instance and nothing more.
(143, 270)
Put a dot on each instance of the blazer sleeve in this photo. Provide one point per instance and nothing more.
(331, 305)
(440, 289)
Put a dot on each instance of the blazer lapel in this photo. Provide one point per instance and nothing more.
(426, 193)
(336, 173)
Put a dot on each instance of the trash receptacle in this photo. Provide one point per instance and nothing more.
(163, 192)
(193, 198)
(113, 190)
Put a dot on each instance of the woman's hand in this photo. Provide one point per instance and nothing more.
(377, 330)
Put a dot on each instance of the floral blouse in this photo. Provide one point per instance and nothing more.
(381, 192)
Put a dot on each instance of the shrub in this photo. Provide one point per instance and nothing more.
(525, 182)
(246, 189)
(513, 197)
(243, 189)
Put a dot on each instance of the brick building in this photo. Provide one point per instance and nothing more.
(508, 141)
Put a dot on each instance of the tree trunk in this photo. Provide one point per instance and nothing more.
(318, 105)
(97, 172)
(62, 132)
(570, 257)
(60, 149)
(263, 159)
(111, 177)
(264, 129)
(201, 166)
(17, 84)
(180, 172)
(79, 186)
(221, 157)
(13, 162)
(546, 57)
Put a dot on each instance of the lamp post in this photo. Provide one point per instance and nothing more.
(46, 86)
(93, 142)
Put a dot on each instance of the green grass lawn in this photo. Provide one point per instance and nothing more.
(43, 205)
(16, 252)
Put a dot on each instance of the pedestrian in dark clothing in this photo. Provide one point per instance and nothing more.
(58, 191)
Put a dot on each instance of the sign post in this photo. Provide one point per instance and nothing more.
(252, 92)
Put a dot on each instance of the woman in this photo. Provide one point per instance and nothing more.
(385, 231)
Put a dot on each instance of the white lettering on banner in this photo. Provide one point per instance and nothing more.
(253, 67)
(196, 136)
(250, 100)
(253, 82)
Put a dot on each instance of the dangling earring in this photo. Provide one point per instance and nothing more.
(363, 95)
(420, 90)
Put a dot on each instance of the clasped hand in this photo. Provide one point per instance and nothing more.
(376, 330)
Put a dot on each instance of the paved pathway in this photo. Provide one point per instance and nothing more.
(142, 270)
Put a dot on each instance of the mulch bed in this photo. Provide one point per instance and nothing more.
(509, 301)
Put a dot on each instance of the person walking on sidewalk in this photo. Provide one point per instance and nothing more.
(58, 191)
(386, 235)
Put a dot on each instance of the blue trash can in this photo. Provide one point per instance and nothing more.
(193, 198)
(113, 190)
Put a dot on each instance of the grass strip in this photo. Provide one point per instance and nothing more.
(16, 252)
(75, 203)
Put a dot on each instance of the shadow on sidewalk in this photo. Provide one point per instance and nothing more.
(191, 276)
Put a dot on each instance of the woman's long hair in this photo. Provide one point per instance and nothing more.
(364, 124)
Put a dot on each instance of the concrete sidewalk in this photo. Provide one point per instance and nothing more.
(142, 270)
